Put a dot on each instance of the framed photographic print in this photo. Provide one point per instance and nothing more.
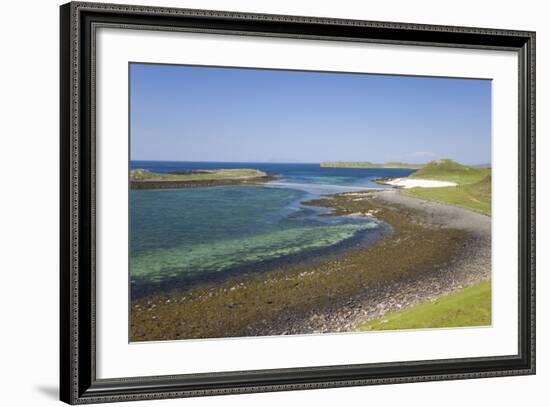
(256, 203)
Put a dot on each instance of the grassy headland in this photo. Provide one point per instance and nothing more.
(144, 179)
(449, 170)
(473, 188)
(367, 164)
(476, 196)
(470, 306)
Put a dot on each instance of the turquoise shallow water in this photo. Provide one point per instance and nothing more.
(178, 236)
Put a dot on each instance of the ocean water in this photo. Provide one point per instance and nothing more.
(180, 236)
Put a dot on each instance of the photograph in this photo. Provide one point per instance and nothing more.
(267, 202)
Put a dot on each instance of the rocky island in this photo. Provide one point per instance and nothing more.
(143, 179)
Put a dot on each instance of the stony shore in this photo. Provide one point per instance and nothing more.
(433, 249)
(470, 265)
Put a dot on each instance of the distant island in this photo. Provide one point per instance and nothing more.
(143, 179)
(367, 164)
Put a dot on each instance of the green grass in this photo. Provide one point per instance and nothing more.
(475, 196)
(203, 175)
(468, 307)
(473, 190)
(449, 170)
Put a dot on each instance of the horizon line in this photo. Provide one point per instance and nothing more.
(305, 162)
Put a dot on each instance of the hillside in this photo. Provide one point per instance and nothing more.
(449, 170)
(476, 196)
(368, 164)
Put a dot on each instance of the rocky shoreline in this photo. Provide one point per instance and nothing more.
(434, 249)
(469, 267)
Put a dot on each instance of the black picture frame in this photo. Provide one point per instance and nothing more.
(78, 382)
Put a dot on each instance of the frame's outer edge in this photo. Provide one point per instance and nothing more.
(67, 361)
(75, 274)
(527, 204)
(236, 15)
(78, 384)
(531, 131)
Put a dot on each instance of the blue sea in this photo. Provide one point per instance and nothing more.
(182, 236)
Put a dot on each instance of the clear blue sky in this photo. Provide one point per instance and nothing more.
(181, 113)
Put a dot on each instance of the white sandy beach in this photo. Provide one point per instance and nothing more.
(422, 183)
